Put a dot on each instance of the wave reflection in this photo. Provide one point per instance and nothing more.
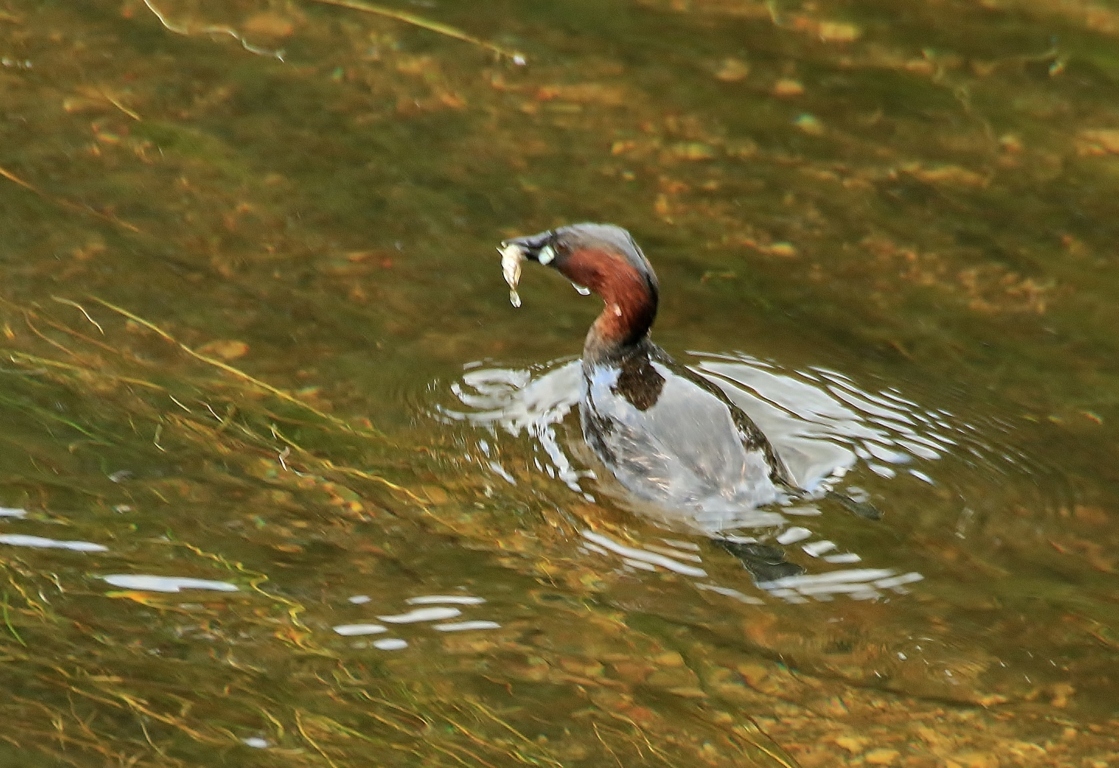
(436, 608)
(820, 421)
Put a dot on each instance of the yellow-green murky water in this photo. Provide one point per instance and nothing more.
(284, 480)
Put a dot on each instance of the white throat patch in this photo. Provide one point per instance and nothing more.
(547, 255)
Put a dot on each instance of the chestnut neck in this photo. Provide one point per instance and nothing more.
(630, 295)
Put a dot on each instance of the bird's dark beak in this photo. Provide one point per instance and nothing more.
(532, 245)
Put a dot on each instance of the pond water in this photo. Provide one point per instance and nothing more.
(285, 480)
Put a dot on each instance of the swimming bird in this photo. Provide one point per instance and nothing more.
(670, 437)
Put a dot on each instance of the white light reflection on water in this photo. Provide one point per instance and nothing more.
(857, 583)
(445, 599)
(146, 583)
(421, 614)
(39, 542)
(464, 626)
(643, 556)
(390, 644)
(530, 402)
(353, 630)
(821, 423)
(438, 610)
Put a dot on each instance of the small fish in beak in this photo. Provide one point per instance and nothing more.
(512, 256)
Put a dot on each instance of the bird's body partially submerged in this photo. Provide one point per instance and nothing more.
(670, 437)
(676, 441)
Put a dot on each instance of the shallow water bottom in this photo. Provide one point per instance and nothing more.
(247, 253)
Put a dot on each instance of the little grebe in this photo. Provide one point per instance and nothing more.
(669, 436)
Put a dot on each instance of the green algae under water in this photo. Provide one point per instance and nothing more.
(238, 287)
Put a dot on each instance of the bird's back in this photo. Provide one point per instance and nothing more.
(673, 439)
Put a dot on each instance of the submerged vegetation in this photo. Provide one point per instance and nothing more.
(239, 242)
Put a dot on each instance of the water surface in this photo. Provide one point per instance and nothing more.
(284, 480)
